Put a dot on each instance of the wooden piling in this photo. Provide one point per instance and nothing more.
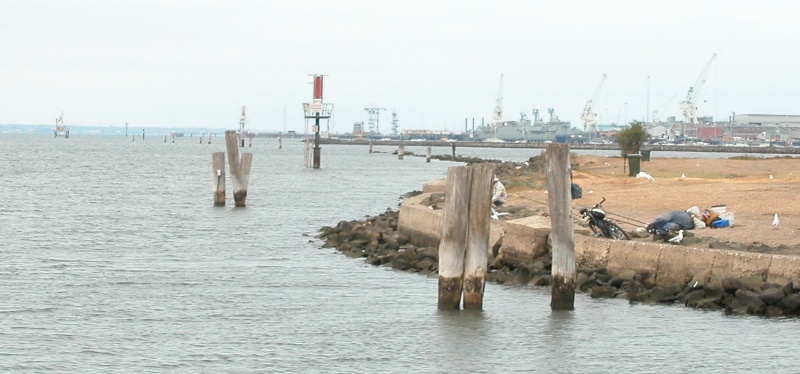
(218, 176)
(401, 151)
(562, 296)
(476, 265)
(240, 170)
(370, 147)
(452, 246)
(428, 155)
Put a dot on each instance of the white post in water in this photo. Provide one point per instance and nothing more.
(209, 138)
(401, 151)
(218, 176)
(370, 146)
(476, 266)
(240, 170)
(428, 155)
(452, 246)
(562, 234)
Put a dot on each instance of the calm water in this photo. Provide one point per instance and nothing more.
(114, 260)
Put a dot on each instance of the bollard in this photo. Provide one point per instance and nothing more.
(250, 144)
(476, 265)
(240, 169)
(453, 241)
(209, 138)
(280, 142)
(218, 176)
(562, 295)
(401, 151)
(165, 138)
(428, 155)
(370, 147)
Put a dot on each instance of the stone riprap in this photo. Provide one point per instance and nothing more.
(732, 281)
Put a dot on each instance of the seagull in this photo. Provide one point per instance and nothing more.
(776, 221)
(770, 176)
(590, 191)
(677, 239)
(683, 176)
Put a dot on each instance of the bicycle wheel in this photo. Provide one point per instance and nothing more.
(617, 232)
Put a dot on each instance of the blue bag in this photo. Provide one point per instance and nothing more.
(720, 223)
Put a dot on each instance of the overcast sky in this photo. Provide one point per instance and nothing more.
(195, 63)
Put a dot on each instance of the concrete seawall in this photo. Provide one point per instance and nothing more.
(525, 239)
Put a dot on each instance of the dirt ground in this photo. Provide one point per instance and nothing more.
(754, 189)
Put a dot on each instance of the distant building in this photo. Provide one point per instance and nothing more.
(791, 120)
(658, 132)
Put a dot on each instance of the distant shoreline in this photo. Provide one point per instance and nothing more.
(610, 147)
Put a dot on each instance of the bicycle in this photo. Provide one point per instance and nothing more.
(601, 225)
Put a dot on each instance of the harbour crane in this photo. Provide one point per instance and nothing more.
(658, 112)
(689, 106)
(589, 116)
(497, 119)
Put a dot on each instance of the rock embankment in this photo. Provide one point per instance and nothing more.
(377, 241)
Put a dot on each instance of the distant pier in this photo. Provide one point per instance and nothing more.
(573, 146)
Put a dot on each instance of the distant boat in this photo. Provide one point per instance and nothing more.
(60, 128)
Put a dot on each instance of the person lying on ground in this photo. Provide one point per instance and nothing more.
(671, 221)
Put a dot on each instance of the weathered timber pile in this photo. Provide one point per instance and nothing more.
(377, 241)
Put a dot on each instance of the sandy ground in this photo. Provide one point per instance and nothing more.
(743, 185)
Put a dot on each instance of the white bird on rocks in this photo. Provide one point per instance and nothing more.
(683, 176)
(590, 191)
(770, 176)
(677, 239)
(776, 221)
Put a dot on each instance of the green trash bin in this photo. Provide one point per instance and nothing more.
(634, 164)
(645, 155)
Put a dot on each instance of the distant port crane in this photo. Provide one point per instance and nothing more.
(497, 118)
(589, 116)
(689, 106)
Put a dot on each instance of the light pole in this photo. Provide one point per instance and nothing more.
(647, 112)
